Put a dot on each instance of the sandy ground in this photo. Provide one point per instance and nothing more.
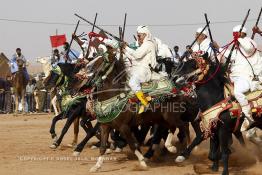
(25, 150)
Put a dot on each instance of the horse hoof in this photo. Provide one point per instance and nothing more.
(94, 147)
(143, 164)
(55, 139)
(76, 153)
(196, 148)
(108, 151)
(214, 167)
(172, 149)
(118, 150)
(94, 169)
(53, 146)
(180, 159)
(71, 145)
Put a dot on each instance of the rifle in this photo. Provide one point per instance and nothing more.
(258, 18)
(93, 28)
(185, 53)
(234, 45)
(110, 34)
(68, 50)
(211, 37)
(122, 35)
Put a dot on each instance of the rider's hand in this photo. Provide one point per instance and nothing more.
(215, 45)
(74, 36)
(255, 29)
(93, 34)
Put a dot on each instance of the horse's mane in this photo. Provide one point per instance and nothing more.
(115, 82)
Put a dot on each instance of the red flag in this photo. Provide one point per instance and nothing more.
(57, 40)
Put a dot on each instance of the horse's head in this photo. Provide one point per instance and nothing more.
(46, 64)
(193, 70)
(54, 78)
(42, 60)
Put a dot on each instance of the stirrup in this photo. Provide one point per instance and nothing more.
(142, 109)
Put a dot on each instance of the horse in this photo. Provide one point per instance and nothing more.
(19, 83)
(74, 111)
(209, 79)
(51, 81)
(114, 87)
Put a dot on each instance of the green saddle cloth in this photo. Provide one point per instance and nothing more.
(68, 101)
(108, 110)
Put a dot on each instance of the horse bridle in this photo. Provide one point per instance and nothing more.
(198, 74)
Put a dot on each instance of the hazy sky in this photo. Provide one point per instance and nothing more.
(173, 21)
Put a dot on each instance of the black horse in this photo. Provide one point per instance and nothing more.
(75, 111)
(210, 91)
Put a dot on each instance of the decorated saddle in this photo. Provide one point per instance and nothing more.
(210, 117)
(108, 110)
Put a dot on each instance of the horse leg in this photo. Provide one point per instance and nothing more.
(156, 138)
(23, 101)
(105, 129)
(133, 144)
(52, 128)
(224, 145)
(187, 132)
(182, 135)
(214, 152)
(240, 137)
(197, 140)
(168, 143)
(16, 104)
(53, 101)
(71, 117)
(90, 132)
(119, 142)
(252, 136)
(76, 131)
(141, 134)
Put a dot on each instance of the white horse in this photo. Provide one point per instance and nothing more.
(46, 64)
(47, 67)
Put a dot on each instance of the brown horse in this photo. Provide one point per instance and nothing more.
(19, 83)
(128, 120)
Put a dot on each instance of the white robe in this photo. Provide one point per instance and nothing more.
(144, 56)
(241, 71)
(203, 47)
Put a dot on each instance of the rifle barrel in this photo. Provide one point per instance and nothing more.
(110, 34)
(93, 28)
(70, 44)
(258, 18)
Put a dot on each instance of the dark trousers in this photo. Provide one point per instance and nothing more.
(8, 102)
(42, 100)
(2, 101)
(29, 100)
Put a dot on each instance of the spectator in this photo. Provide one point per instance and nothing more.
(29, 96)
(8, 100)
(34, 98)
(72, 54)
(187, 55)
(2, 94)
(41, 93)
(55, 58)
(177, 55)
